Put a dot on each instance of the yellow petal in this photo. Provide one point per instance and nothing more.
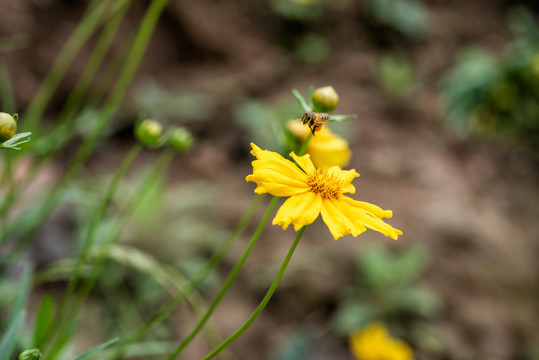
(360, 211)
(272, 176)
(304, 162)
(276, 175)
(280, 164)
(339, 222)
(329, 150)
(373, 209)
(326, 148)
(299, 210)
(278, 189)
(345, 177)
(374, 342)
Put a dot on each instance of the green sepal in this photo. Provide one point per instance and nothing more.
(16, 140)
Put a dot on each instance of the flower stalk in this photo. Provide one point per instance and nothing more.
(264, 301)
(230, 279)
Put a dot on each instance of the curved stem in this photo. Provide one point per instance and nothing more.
(127, 73)
(264, 301)
(303, 148)
(65, 312)
(228, 281)
(219, 254)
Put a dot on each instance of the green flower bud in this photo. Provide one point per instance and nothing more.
(32, 354)
(325, 99)
(180, 139)
(149, 132)
(8, 127)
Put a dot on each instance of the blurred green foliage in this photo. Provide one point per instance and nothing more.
(498, 97)
(408, 17)
(396, 75)
(312, 49)
(266, 125)
(388, 291)
(301, 10)
(155, 102)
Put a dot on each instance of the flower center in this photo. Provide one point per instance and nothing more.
(328, 186)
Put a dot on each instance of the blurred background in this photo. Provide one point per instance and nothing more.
(446, 94)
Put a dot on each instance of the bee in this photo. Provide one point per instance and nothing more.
(314, 120)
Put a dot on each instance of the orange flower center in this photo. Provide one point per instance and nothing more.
(328, 186)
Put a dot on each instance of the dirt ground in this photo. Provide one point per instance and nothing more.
(471, 202)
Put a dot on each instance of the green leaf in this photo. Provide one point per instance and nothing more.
(341, 118)
(43, 321)
(63, 338)
(10, 338)
(374, 264)
(409, 265)
(350, 315)
(382, 269)
(301, 101)
(417, 300)
(24, 283)
(297, 346)
(16, 140)
(96, 349)
(261, 122)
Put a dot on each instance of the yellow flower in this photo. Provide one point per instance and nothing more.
(314, 191)
(375, 343)
(326, 148)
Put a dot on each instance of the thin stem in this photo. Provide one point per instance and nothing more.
(135, 55)
(94, 62)
(61, 133)
(228, 281)
(304, 145)
(65, 312)
(264, 301)
(196, 280)
(90, 235)
(88, 25)
(134, 203)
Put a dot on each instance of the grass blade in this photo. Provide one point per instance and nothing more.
(43, 321)
(10, 338)
(96, 349)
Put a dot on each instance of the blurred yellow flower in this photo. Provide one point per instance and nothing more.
(313, 191)
(326, 148)
(375, 343)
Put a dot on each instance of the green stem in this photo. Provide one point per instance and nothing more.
(90, 235)
(134, 203)
(303, 148)
(228, 281)
(65, 311)
(94, 62)
(60, 134)
(216, 258)
(264, 301)
(135, 55)
(88, 25)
